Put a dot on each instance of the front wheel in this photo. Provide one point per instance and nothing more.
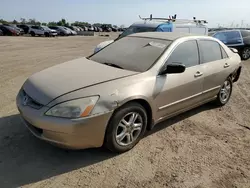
(245, 53)
(126, 128)
(225, 92)
(32, 34)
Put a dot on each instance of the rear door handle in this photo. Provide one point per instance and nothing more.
(226, 65)
(198, 74)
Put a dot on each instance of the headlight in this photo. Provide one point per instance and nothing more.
(73, 109)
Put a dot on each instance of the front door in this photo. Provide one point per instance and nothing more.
(180, 91)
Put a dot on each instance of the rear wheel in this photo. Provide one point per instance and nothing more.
(225, 92)
(245, 53)
(126, 128)
(32, 33)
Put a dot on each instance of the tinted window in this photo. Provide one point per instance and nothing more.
(34, 27)
(166, 27)
(245, 33)
(229, 37)
(132, 53)
(210, 50)
(186, 53)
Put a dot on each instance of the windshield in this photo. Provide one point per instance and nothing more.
(137, 29)
(45, 27)
(132, 53)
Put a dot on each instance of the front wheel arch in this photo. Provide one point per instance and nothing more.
(142, 101)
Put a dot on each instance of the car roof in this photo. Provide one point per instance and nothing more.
(164, 35)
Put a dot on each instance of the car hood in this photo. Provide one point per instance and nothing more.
(67, 77)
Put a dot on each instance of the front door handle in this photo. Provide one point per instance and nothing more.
(226, 65)
(198, 74)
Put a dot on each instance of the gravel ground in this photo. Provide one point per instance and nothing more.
(205, 147)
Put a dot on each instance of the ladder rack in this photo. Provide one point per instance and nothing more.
(173, 19)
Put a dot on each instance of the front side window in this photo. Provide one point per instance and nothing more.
(132, 53)
(210, 50)
(186, 53)
(136, 29)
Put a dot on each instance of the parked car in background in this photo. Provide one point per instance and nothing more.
(1, 32)
(111, 98)
(60, 30)
(41, 31)
(51, 32)
(80, 29)
(238, 39)
(114, 29)
(99, 29)
(21, 31)
(72, 32)
(8, 30)
(91, 28)
(24, 27)
(161, 25)
(106, 28)
(74, 28)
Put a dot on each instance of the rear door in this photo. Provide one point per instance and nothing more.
(180, 91)
(214, 62)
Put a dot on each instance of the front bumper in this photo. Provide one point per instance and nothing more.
(66, 133)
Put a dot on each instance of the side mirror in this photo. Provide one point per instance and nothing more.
(173, 68)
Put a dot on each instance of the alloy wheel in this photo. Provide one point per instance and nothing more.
(246, 53)
(225, 91)
(129, 129)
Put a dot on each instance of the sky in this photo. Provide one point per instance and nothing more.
(223, 12)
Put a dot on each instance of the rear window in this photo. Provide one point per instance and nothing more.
(132, 53)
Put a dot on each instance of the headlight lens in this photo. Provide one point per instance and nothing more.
(73, 109)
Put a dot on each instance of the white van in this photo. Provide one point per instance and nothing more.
(162, 25)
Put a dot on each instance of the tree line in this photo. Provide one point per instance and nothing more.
(61, 22)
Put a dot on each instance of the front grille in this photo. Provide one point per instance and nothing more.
(29, 101)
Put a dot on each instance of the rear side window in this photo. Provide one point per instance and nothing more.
(186, 53)
(245, 33)
(210, 50)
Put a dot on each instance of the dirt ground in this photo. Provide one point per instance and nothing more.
(205, 147)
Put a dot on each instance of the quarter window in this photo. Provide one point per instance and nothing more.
(210, 50)
(186, 53)
(223, 53)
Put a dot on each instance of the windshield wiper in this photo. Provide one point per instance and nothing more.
(113, 65)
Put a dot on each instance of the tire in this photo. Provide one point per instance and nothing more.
(62, 34)
(32, 33)
(245, 53)
(225, 92)
(117, 127)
